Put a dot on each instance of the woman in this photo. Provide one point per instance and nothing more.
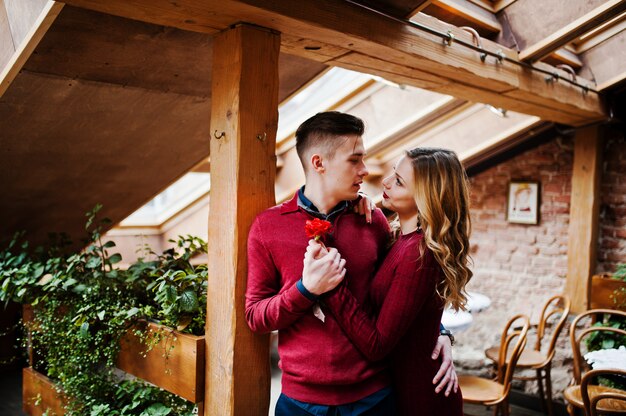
(425, 270)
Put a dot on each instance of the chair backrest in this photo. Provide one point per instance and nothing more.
(516, 330)
(577, 335)
(557, 307)
(591, 403)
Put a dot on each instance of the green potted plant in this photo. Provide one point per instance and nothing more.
(83, 306)
(174, 337)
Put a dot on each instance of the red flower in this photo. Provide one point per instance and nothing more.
(317, 229)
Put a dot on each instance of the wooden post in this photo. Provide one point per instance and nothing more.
(244, 119)
(584, 215)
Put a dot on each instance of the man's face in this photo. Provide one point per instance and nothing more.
(344, 173)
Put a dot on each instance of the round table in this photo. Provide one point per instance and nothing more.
(456, 321)
(609, 358)
(461, 320)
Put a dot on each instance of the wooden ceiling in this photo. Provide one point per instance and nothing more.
(107, 110)
(113, 104)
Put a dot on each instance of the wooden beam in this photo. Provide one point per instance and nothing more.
(243, 168)
(387, 41)
(600, 34)
(419, 7)
(584, 215)
(39, 28)
(570, 32)
(499, 5)
(564, 56)
(475, 14)
(617, 79)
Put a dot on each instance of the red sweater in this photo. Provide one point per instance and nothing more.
(320, 365)
(408, 313)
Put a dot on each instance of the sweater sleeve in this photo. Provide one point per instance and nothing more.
(412, 284)
(267, 307)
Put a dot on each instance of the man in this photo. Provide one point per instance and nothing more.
(323, 373)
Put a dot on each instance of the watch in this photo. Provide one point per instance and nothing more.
(447, 333)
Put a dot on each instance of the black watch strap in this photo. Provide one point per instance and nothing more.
(447, 333)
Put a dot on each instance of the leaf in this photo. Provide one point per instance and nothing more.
(69, 282)
(183, 322)
(79, 288)
(39, 271)
(189, 301)
(157, 409)
(115, 258)
(101, 315)
(93, 262)
(170, 293)
(84, 330)
(109, 244)
(132, 312)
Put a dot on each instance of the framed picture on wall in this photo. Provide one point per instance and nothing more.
(523, 202)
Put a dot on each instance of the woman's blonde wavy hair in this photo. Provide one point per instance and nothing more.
(442, 197)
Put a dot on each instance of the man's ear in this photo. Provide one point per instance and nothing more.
(317, 163)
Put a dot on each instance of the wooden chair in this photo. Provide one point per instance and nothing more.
(613, 402)
(479, 390)
(573, 394)
(554, 314)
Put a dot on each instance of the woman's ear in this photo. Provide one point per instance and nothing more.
(317, 163)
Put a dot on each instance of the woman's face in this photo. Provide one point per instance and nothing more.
(398, 189)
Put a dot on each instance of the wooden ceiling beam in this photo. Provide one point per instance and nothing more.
(564, 56)
(380, 43)
(573, 30)
(472, 12)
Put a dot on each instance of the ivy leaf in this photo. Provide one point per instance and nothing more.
(93, 262)
(189, 301)
(39, 271)
(170, 293)
(115, 258)
(132, 312)
(78, 289)
(84, 330)
(69, 282)
(157, 409)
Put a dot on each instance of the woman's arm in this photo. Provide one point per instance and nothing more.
(413, 283)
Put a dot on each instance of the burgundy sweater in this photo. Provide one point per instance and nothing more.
(320, 364)
(406, 312)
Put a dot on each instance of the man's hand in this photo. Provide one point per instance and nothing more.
(446, 377)
(365, 206)
(323, 269)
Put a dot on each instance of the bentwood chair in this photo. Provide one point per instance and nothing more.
(552, 318)
(574, 393)
(613, 402)
(495, 392)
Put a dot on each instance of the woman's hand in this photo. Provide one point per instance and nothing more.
(323, 269)
(446, 377)
(365, 206)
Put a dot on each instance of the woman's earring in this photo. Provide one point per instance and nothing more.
(419, 222)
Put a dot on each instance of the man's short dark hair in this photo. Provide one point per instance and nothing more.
(322, 130)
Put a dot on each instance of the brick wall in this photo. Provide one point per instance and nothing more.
(520, 266)
(612, 233)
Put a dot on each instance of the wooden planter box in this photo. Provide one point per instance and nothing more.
(39, 394)
(605, 293)
(175, 364)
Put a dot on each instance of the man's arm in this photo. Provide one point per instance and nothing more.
(267, 308)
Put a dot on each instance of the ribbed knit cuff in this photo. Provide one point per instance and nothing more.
(305, 291)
